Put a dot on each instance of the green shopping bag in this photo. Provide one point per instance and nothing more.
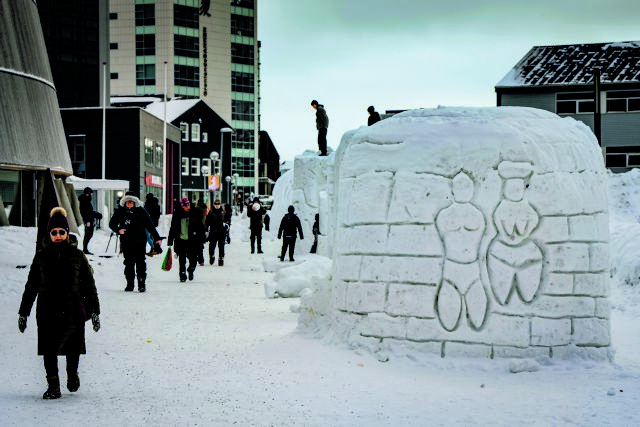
(167, 262)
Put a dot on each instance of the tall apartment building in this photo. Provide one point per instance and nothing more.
(204, 49)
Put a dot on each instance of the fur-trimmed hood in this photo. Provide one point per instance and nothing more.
(130, 197)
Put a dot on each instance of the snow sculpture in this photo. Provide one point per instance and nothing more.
(515, 261)
(469, 232)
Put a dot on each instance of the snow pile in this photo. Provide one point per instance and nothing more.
(292, 280)
(470, 231)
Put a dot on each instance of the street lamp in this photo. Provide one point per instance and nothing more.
(215, 159)
(222, 132)
(205, 172)
(228, 179)
(235, 182)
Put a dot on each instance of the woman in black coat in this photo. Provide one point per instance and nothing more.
(187, 233)
(62, 279)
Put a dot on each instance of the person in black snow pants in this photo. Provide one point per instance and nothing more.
(322, 124)
(88, 218)
(316, 232)
(289, 225)
(152, 206)
(201, 207)
(187, 232)
(255, 213)
(62, 279)
(217, 232)
(131, 222)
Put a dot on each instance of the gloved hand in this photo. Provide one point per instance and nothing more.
(95, 320)
(22, 323)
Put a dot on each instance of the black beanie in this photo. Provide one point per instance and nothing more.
(58, 219)
(291, 209)
(88, 190)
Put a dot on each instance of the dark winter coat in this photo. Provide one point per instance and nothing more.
(373, 118)
(255, 217)
(215, 222)
(86, 210)
(195, 231)
(134, 221)
(228, 213)
(152, 206)
(288, 226)
(62, 279)
(322, 120)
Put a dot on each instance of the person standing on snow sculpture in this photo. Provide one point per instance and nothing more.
(322, 124)
(374, 116)
(255, 212)
(88, 218)
(216, 231)
(131, 223)
(187, 232)
(62, 279)
(289, 225)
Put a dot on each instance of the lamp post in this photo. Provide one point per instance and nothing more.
(234, 182)
(222, 132)
(215, 159)
(228, 179)
(205, 172)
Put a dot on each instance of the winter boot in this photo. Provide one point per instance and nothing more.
(183, 277)
(212, 259)
(141, 285)
(190, 275)
(73, 382)
(221, 262)
(129, 287)
(53, 391)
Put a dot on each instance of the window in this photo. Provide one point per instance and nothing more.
(242, 110)
(195, 132)
(145, 15)
(205, 136)
(148, 152)
(113, 16)
(242, 54)
(145, 44)
(113, 46)
(207, 163)
(185, 166)
(195, 167)
(186, 46)
(622, 101)
(242, 82)
(159, 154)
(575, 103)
(186, 16)
(145, 75)
(184, 129)
(185, 75)
(114, 76)
(242, 25)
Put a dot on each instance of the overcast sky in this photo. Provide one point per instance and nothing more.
(397, 54)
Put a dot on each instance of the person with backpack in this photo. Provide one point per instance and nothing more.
(255, 213)
(289, 227)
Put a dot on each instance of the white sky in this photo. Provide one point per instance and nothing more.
(406, 54)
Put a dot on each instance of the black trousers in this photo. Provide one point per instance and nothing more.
(88, 234)
(288, 242)
(192, 256)
(217, 239)
(322, 141)
(135, 263)
(51, 364)
(256, 235)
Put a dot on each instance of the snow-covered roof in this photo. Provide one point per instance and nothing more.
(175, 108)
(574, 64)
(99, 184)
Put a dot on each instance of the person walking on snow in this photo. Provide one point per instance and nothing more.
(131, 222)
(62, 280)
(187, 232)
(88, 218)
(152, 206)
(216, 230)
(322, 124)
(255, 213)
(288, 226)
(228, 214)
(201, 208)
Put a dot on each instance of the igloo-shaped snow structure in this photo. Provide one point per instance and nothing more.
(467, 231)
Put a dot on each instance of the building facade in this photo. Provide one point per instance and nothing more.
(562, 79)
(193, 49)
(269, 169)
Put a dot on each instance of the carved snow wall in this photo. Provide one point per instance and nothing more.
(472, 232)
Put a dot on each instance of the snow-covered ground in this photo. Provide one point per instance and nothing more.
(217, 352)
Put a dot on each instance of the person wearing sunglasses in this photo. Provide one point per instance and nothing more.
(217, 232)
(62, 280)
